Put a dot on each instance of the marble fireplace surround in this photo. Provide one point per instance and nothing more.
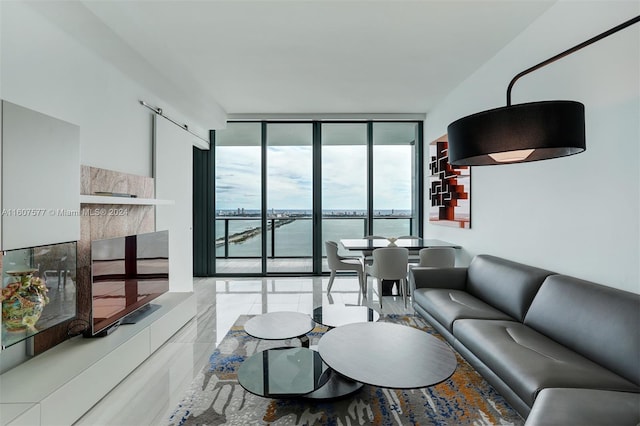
(114, 220)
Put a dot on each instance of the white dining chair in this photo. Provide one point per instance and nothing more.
(413, 256)
(340, 263)
(389, 263)
(438, 257)
(366, 254)
(435, 257)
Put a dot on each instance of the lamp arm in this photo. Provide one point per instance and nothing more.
(570, 51)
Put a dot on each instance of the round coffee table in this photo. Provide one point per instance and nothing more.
(280, 326)
(336, 315)
(287, 325)
(283, 372)
(387, 355)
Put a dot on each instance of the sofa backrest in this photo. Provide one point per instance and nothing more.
(506, 285)
(601, 323)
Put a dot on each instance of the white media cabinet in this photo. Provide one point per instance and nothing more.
(60, 385)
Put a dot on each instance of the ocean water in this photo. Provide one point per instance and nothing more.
(294, 239)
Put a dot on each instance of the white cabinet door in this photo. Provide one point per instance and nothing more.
(40, 179)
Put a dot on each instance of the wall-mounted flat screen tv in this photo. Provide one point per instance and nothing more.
(126, 274)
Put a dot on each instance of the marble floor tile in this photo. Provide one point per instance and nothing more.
(152, 392)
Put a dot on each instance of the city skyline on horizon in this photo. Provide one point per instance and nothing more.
(358, 212)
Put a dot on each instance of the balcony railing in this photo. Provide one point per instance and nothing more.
(276, 233)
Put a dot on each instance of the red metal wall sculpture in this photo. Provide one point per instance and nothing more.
(450, 188)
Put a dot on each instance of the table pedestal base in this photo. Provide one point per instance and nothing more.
(304, 341)
(336, 387)
(387, 287)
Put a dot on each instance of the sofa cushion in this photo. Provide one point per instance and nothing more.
(598, 322)
(449, 305)
(579, 407)
(528, 361)
(506, 285)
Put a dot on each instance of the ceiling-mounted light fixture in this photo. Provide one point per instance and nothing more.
(523, 132)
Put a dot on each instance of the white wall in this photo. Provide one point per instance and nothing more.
(46, 69)
(576, 215)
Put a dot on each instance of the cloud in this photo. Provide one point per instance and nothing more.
(344, 177)
(290, 173)
(238, 177)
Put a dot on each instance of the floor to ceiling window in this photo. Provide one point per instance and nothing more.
(238, 198)
(344, 182)
(289, 184)
(280, 189)
(394, 177)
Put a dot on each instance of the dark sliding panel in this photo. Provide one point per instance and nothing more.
(201, 223)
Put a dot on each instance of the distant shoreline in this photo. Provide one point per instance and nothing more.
(240, 237)
(276, 214)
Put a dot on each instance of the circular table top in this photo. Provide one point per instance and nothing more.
(283, 372)
(387, 355)
(279, 325)
(336, 315)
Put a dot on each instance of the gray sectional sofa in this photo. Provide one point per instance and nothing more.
(561, 350)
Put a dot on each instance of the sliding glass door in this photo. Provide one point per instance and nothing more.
(344, 182)
(289, 185)
(394, 178)
(281, 189)
(239, 228)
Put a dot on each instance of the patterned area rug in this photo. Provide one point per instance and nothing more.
(216, 398)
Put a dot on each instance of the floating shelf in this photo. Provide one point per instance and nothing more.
(101, 199)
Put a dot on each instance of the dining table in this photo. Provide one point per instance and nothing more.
(413, 244)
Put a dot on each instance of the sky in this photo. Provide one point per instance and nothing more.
(289, 177)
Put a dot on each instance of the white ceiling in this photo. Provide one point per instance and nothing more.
(301, 56)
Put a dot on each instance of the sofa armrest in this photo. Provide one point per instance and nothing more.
(424, 277)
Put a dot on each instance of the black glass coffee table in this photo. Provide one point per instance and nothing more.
(283, 372)
(277, 372)
(280, 326)
(336, 315)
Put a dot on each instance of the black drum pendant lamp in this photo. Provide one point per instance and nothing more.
(523, 132)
